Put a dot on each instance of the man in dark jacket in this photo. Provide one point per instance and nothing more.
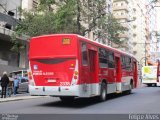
(4, 84)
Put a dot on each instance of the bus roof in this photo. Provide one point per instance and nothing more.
(88, 40)
(117, 50)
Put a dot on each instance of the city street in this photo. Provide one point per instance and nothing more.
(142, 100)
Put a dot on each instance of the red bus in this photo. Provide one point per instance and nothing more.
(69, 66)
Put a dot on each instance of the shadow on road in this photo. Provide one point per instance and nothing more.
(83, 102)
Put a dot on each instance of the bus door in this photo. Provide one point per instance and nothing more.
(118, 69)
(93, 67)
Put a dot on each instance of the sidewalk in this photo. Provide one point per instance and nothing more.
(19, 97)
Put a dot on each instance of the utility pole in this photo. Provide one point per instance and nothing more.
(145, 59)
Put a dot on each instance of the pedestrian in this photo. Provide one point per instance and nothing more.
(10, 85)
(4, 84)
(16, 84)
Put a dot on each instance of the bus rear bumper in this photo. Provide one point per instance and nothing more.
(54, 91)
(83, 90)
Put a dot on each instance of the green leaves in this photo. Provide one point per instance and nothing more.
(70, 16)
(109, 29)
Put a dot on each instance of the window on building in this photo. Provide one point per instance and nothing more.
(109, 8)
(35, 4)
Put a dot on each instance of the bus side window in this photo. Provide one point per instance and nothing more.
(111, 63)
(128, 63)
(103, 63)
(84, 54)
(123, 62)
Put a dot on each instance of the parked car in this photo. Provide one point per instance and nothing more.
(23, 85)
(23, 80)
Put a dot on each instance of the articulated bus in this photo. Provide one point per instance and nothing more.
(70, 66)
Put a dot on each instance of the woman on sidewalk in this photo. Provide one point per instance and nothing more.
(4, 84)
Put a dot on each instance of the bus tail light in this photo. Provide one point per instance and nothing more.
(75, 77)
(76, 73)
(31, 81)
(29, 75)
(72, 66)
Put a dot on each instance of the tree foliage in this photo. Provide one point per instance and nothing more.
(70, 16)
(110, 30)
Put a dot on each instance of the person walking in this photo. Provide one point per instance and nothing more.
(4, 84)
(10, 86)
(16, 84)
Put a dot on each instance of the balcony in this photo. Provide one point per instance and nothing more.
(118, 8)
(5, 31)
(135, 52)
(123, 35)
(121, 16)
(8, 19)
(120, 1)
(125, 25)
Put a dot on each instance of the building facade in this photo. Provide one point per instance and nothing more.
(151, 45)
(132, 15)
(9, 17)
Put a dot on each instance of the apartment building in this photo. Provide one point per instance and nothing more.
(9, 17)
(29, 4)
(152, 43)
(131, 14)
(120, 12)
(138, 29)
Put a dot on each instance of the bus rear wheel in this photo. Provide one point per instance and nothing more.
(103, 94)
(67, 99)
(130, 88)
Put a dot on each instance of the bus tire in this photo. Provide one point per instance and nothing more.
(103, 92)
(149, 85)
(130, 88)
(67, 98)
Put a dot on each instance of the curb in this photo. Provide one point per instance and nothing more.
(19, 98)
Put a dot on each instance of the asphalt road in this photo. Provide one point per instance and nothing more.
(142, 100)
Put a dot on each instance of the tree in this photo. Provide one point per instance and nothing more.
(95, 10)
(69, 16)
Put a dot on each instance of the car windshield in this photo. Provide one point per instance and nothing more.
(22, 74)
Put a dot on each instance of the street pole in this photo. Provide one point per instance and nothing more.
(145, 54)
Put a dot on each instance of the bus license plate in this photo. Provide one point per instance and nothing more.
(51, 80)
